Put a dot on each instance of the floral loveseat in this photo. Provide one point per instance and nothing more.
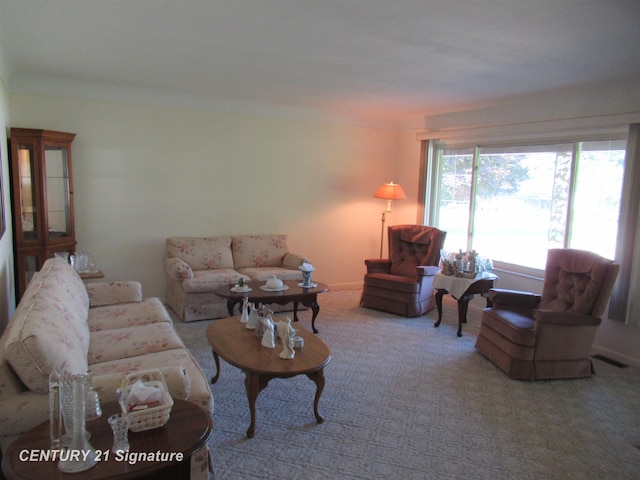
(106, 328)
(197, 265)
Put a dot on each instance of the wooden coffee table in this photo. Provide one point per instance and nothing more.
(307, 296)
(187, 430)
(240, 347)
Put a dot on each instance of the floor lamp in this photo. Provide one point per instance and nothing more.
(388, 191)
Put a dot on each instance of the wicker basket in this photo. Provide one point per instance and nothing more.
(153, 417)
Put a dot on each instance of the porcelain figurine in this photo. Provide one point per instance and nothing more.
(244, 317)
(286, 335)
(268, 339)
(254, 317)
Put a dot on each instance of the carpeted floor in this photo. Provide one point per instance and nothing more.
(405, 400)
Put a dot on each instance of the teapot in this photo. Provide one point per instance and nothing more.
(274, 283)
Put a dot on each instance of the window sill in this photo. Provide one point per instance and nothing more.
(518, 270)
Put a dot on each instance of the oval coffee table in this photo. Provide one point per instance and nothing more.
(240, 347)
(294, 293)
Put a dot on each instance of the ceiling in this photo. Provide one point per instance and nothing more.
(378, 63)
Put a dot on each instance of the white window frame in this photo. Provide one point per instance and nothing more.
(430, 179)
(437, 178)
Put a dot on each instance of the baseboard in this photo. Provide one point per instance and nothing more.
(346, 286)
(617, 356)
(608, 360)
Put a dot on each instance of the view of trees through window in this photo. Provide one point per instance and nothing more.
(514, 203)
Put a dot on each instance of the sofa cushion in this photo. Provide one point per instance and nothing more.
(204, 253)
(130, 342)
(49, 328)
(207, 280)
(109, 317)
(514, 326)
(392, 282)
(265, 273)
(259, 250)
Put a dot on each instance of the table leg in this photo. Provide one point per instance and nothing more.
(295, 311)
(254, 383)
(318, 378)
(231, 303)
(439, 294)
(216, 360)
(486, 297)
(463, 306)
(312, 303)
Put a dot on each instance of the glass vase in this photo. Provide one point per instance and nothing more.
(78, 455)
(120, 426)
(55, 411)
(93, 410)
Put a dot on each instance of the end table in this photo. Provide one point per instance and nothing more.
(463, 290)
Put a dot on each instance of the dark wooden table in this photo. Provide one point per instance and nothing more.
(296, 294)
(231, 340)
(187, 430)
(479, 286)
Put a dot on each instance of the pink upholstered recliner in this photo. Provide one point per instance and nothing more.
(403, 283)
(532, 337)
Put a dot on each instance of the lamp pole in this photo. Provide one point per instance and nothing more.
(388, 191)
(384, 214)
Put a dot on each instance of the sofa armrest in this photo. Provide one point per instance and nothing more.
(375, 265)
(178, 269)
(543, 316)
(427, 270)
(20, 413)
(177, 379)
(112, 293)
(293, 261)
(501, 298)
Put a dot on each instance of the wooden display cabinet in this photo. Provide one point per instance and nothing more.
(42, 199)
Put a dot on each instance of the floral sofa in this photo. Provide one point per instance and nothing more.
(105, 328)
(197, 265)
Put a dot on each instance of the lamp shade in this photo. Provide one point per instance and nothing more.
(390, 191)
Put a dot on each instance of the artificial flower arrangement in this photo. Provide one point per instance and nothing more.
(464, 264)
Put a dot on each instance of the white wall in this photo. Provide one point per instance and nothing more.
(7, 296)
(144, 173)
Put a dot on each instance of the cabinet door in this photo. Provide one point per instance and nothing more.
(29, 205)
(58, 192)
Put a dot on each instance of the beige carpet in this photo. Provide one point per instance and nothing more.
(405, 400)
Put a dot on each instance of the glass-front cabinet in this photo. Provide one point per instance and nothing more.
(42, 199)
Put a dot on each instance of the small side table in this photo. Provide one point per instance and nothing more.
(463, 290)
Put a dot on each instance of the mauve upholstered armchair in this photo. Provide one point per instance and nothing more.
(533, 337)
(403, 283)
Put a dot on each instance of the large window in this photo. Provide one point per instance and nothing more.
(513, 203)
